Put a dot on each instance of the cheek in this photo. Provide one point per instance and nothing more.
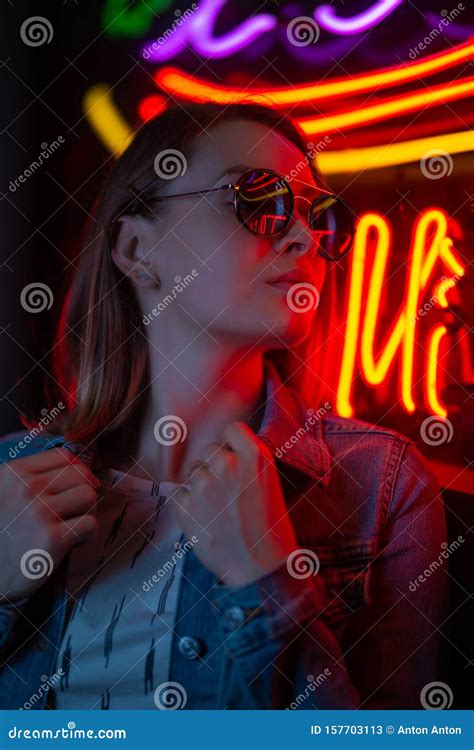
(230, 273)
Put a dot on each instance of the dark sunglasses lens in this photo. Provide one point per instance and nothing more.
(332, 219)
(264, 202)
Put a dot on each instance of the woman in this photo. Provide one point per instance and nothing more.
(212, 542)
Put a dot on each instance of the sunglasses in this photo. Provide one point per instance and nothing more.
(264, 203)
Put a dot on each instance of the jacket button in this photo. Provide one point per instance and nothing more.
(40, 644)
(233, 618)
(190, 647)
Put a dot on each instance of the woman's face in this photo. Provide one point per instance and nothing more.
(229, 295)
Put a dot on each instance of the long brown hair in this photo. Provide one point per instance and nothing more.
(100, 360)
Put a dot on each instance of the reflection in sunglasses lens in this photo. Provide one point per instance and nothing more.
(264, 203)
(333, 222)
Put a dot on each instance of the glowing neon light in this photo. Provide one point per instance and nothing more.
(119, 18)
(353, 160)
(186, 86)
(396, 106)
(197, 31)
(106, 120)
(429, 245)
(110, 127)
(151, 106)
(374, 374)
(327, 18)
(431, 386)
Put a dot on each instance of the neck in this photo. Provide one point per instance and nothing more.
(195, 399)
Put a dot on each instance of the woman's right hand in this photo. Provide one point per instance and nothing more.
(47, 505)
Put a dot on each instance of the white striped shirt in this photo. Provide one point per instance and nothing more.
(123, 587)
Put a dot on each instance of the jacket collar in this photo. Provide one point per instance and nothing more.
(292, 430)
(289, 428)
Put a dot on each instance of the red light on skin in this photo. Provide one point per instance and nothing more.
(429, 244)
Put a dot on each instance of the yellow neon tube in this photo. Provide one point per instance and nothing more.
(432, 398)
(106, 120)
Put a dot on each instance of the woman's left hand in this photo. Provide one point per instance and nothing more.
(236, 508)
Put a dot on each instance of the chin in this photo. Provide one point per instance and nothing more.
(292, 331)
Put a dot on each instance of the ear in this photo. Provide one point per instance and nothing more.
(128, 250)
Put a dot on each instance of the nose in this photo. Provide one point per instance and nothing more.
(297, 236)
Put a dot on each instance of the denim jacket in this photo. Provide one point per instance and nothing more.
(353, 628)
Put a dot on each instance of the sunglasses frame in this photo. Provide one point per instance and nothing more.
(133, 206)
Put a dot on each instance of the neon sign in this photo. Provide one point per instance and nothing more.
(198, 31)
(327, 18)
(429, 244)
(120, 18)
(180, 83)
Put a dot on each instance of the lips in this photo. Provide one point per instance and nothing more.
(289, 278)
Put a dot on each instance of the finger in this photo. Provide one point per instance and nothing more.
(78, 501)
(56, 481)
(218, 458)
(243, 441)
(53, 458)
(60, 459)
(215, 450)
(182, 499)
(195, 467)
(76, 529)
(181, 494)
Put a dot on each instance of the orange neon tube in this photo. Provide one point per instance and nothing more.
(178, 82)
(394, 106)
